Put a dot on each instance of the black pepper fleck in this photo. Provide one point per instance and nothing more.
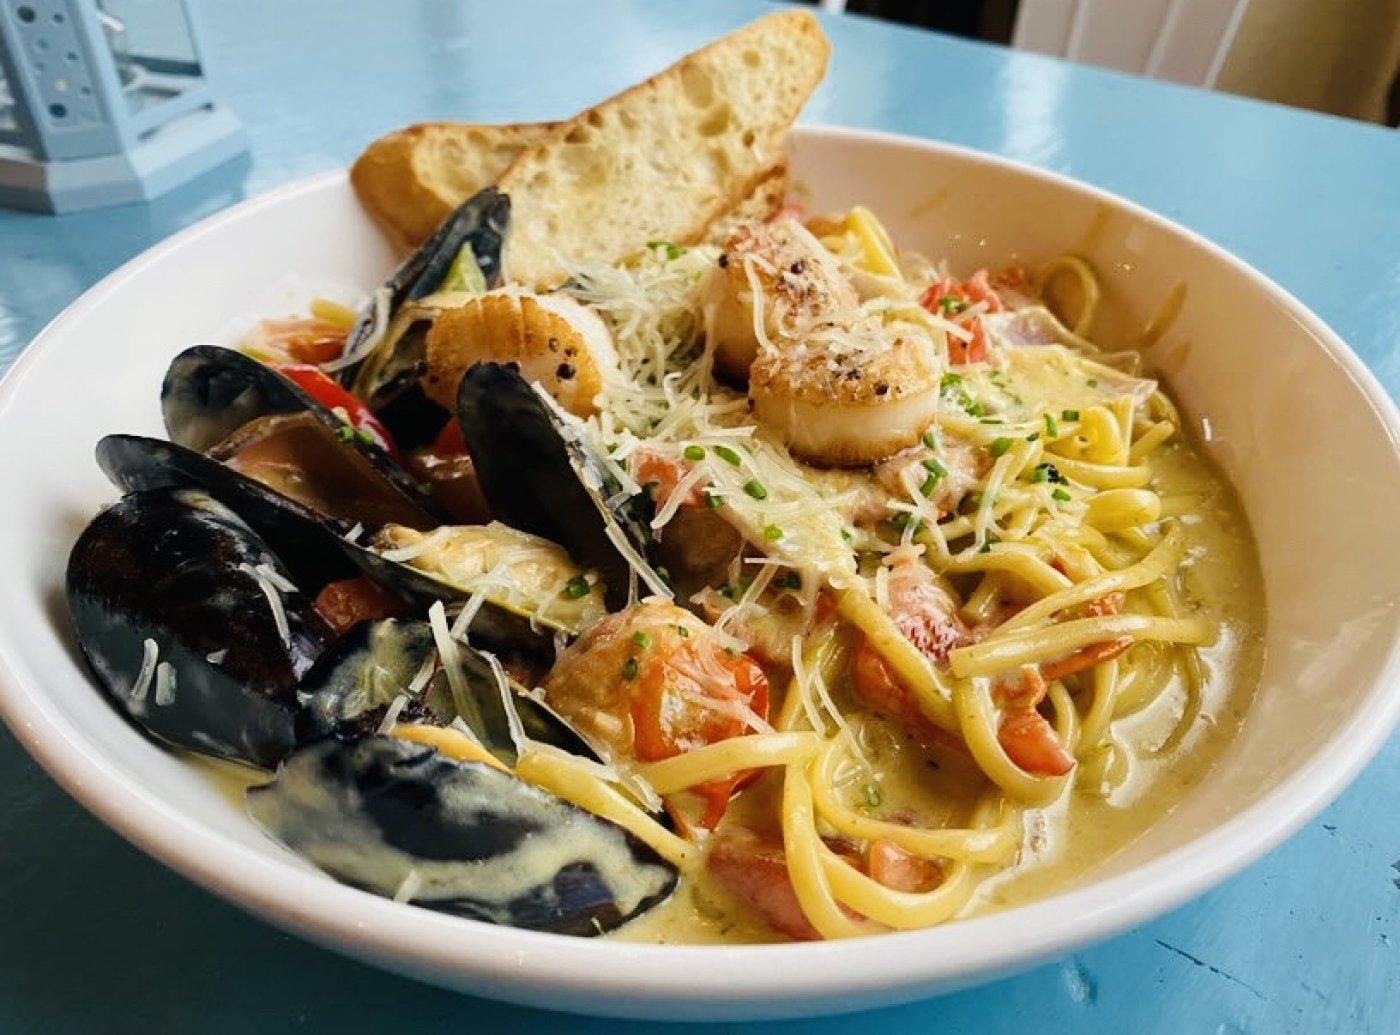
(723, 261)
(881, 388)
(564, 371)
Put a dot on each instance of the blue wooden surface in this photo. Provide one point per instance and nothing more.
(94, 937)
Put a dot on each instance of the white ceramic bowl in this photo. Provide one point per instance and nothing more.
(1298, 423)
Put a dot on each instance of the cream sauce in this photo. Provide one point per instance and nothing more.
(1066, 842)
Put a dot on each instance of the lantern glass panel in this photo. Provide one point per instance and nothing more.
(153, 47)
(9, 121)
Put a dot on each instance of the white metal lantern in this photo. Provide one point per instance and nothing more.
(103, 102)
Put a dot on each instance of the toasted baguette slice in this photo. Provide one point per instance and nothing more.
(411, 179)
(662, 160)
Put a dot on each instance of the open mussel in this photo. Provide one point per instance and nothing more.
(355, 683)
(311, 543)
(541, 476)
(404, 821)
(245, 414)
(319, 548)
(192, 624)
(384, 352)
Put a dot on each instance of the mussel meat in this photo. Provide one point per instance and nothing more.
(354, 683)
(248, 416)
(541, 476)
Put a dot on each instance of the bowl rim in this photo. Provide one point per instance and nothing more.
(590, 974)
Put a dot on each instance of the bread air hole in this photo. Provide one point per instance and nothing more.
(698, 86)
(717, 122)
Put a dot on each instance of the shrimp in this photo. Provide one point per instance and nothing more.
(928, 617)
(798, 281)
(953, 472)
(653, 682)
(1027, 736)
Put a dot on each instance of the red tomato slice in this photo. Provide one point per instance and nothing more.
(943, 296)
(347, 603)
(695, 696)
(316, 383)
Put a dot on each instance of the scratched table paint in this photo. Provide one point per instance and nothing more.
(95, 937)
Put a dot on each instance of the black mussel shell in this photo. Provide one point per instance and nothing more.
(385, 373)
(209, 393)
(311, 543)
(481, 221)
(353, 684)
(313, 546)
(168, 581)
(350, 688)
(398, 819)
(540, 476)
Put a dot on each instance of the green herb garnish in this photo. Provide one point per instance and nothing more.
(728, 455)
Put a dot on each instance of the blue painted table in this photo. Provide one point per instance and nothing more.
(94, 937)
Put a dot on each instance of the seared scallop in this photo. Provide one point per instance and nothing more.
(556, 340)
(799, 284)
(847, 408)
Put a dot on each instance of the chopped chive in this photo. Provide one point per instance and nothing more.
(1033, 436)
(755, 489)
(576, 588)
(975, 409)
(694, 452)
(847, 535)
(999, 446)
(1061, 495)
(772, 533)
(931, 439)
(1047, 473)
(929, 487)
(713, 500)
(872, 796)
(992, 420)
(733, 652)
(932, 465)
(664, 573)
(1069, 415)
(641, 639)
(949, 382)
(673, 251)
(1052, 430)
(902, 520)
(629, 668)
(345, 433)
(951, 305)
(1093, 382)
(726, 591)
(728, 455)
(683, 632)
